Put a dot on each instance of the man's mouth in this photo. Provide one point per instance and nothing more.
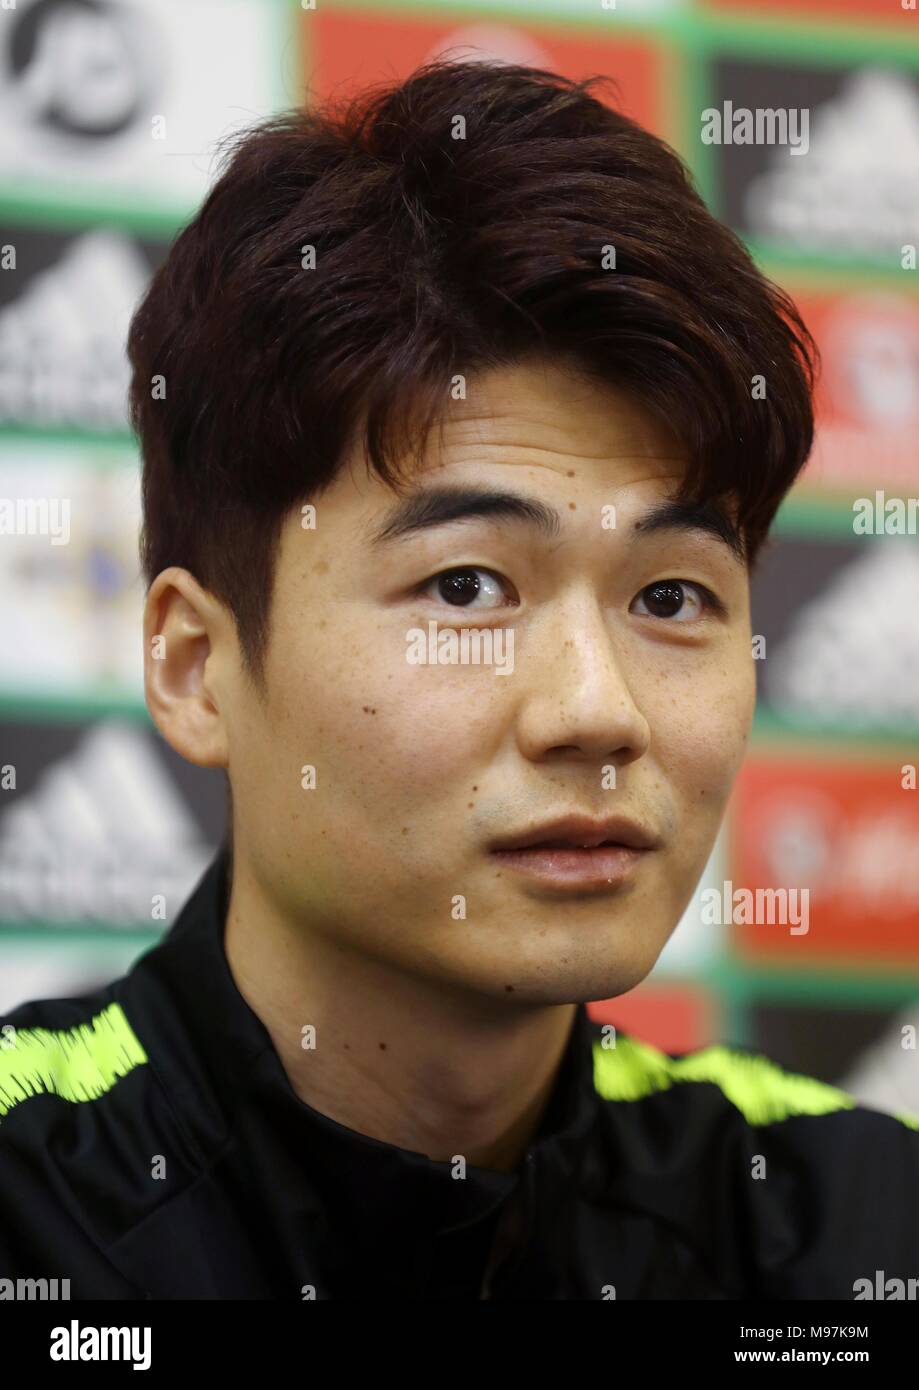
(577, 853)
(581, 832)
(568, 844)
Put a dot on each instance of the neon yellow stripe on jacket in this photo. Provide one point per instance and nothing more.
(758, 1087)
(80, 1063)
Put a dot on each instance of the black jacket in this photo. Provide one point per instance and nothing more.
(151, 1146)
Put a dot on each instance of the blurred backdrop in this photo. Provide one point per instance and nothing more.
(111, 110)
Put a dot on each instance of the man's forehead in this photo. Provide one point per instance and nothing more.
(556, 409)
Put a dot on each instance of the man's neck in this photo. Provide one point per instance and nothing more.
(410, 1061)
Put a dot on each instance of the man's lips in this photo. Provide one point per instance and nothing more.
(580, 832)
(603, 867)
(578, 852)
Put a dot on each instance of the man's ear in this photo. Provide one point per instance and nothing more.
(190, 647)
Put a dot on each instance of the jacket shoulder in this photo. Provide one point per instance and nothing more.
(82, 1122)
(76, 1049)
(761, 1090)
(785, 1185)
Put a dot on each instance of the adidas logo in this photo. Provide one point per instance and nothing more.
(852, 653)
(62, 353)
(858, 187)
(104, 835)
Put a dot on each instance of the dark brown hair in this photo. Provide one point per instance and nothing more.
(434, 256)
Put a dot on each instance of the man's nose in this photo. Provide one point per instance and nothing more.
(580, 689)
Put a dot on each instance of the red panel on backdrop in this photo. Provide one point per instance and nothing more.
(849, 833)
(675, 1018)
(348, 50)
(868, 396)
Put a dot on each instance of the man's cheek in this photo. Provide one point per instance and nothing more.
(700, 760)
(434, 727)
(377, 759)
(428, 758)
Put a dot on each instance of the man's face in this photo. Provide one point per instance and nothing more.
(618, 703)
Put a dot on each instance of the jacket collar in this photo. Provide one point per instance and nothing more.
(376, 1185)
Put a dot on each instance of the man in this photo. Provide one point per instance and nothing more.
(456, 464)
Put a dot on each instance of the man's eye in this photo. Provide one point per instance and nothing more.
(678, 598)
(467, 587)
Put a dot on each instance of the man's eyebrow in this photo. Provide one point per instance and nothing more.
(422, 511)
(708, 517)
(432, 507)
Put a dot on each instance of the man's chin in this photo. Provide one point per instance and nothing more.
(557, 985)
